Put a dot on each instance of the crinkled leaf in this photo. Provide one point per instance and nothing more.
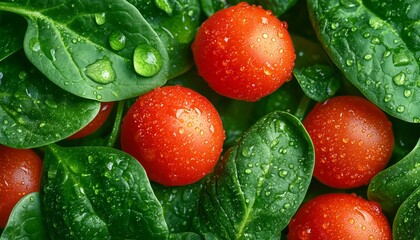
(98, 193)
(35, 112)
(376, 46)
(25, 221)
(407, 220)
(260, 182)
(12, 31)
(179, 205)
(392, 186)
(89, 50)
(176, 30)
(319, 82)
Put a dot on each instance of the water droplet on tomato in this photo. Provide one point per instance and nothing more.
(117, 40)
(147, 60)
(100, 18)
(101, 71)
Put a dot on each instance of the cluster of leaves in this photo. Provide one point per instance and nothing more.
(56, 68)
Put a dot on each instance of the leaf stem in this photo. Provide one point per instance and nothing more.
(304, 104)
(117, 123)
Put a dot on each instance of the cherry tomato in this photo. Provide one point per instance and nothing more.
(175, 133)
(244, 52)
(20, 174)
(96, 123)
(353, 141)
(339, 216)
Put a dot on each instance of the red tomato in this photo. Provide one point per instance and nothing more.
(339, 216)
(175, 133)
(20, 174)
(96, 123)
(244, 52)
(353, 141)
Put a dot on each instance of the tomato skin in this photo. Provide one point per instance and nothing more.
(96, 123)
(20, 174)
(353, 141)
(339, 216)
(244, 52)
(175, 133)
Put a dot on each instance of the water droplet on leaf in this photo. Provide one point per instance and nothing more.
(147, 60)
(117, 40)
(101, 71)
(100, 18)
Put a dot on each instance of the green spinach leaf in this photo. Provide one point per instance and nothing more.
(319, 82)
(377, 52)
(260, 182)
(25, 221)
(98, 193)
(103, 50)
(211, 6)
(278, 7)
(407, 220)
(12, 31)
(393, 185)
(176, 23)
(179, 205)
(35, 112)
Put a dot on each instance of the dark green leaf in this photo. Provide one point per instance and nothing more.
(179, 205)
(12, 31)
(278, 7)
(89, 50)
(186, 236)
(392, 186)
(260, 182)
(319, 82)
(25, 221)
(211, 6)
(98, 193)
(176, 30)
(407, 220)
(34, 112)
(376, 51)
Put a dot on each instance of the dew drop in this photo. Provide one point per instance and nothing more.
(100, 18)
(407, 93)
(368, 57)
(401, 58)
(388, 98)
(283, 173)
(399, 79)
(117, 40)
(23, 75)
(349, 62)
(400, 109)
(376, 41)
(248, 171)
(51, 104)
(147, 60)
(334, 26)
(375, 22)
(34, 45)
(101, 71)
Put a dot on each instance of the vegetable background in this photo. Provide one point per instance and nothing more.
(55, 69)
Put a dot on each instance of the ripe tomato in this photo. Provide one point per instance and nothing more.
(339, 216)
(175, 133)
(20, 174)
(353, 141)
(244, 52)
(96, 123)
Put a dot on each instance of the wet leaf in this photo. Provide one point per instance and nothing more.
(376, 47)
